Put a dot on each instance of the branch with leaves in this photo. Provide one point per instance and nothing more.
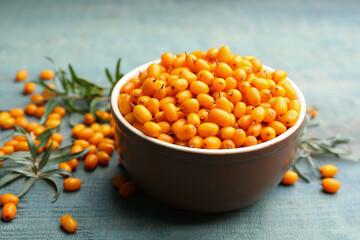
(31, 166)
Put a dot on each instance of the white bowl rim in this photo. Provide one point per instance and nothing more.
(135, 72)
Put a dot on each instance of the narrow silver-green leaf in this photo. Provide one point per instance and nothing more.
(23, 170)
(109, 77)
(49, 107)
(46, 156)
(45, 136)
(93, 104)
(8, 178)
(56, 172)
(66, 157)
(29, 184)
(16, 155)
(56, 187)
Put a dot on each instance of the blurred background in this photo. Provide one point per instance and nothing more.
(316, 42)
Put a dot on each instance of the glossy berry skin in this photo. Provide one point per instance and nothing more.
(91, 162)
(290, 178)
(68, 223)
(8, 212)
(127, 189)
(9, 198)
(330, 185)
(72, 184)
(118, 181)
(328, 171)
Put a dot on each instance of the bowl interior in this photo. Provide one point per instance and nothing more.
(135, 72)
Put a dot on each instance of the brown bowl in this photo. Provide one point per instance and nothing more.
(200, 179)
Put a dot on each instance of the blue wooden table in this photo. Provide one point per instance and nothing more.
(317, 42)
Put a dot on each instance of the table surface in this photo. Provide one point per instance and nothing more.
(317, 42)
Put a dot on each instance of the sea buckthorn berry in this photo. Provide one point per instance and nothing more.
(239, 109)
(9, 198)
(204, 115)
(220, 117)
(218, 84)
(160, 92)
(142, 114)
(77, 129)
(224, 54)
(40, 112)
(212, 143)
(85, 134)
(96, 126)
(103, 157)
(193, 119)
(258, 114)
(7, 149)
(197, 87)
(149, 86)
(280, 106)
(127, 88)
(68, 223)
(8, 212)
(294, 105)
(183, 95)
(253, 96)
(73, 163)
(153, 106)
(196, 142)
(38, 130)
(37, 99)
(118, 180)
(235, 62)
(54, 116)
(260, 83)
(135, 95)
(106, 130)
(166, 100)
(170, 112)
(240, 75)
(223, 70)
(66, 167)
(47, 74)
(279, 75)
(245, 121)
(127, 189)
(151, 129)
(179, 85)
(205, 100)
(211, 54)
(289, 91)
(165, 138)
(89, 118)
(186, 132)
(255, 129)
(224, 104)
(21, 121)
(29, 88)
(16, 112)
(330, 185)
(290, 178)
(103, 114)
(22, 146)
(250, 141)
(267, 134)
(76, 148)
(91, 161)
(249, 109)
(177, 124)
(21, 75)
(179, 62)
(278, 91)
(257, 65)
(279, 127)
(199, 54)
(60, 110)
(8, 123)
(328, 171)
(234, 96)
(243, 86)
(314, 113)
(227, 133)
(239, 137)
(96, 138)
(201, 64)
(11, 142)
(190, 105)
(57, 137)
(290, 118)
(206, 77)
(270, 115)
(72, 184)
(167, 59)
(165, 126)
(52, 123)
(227, 144)
(208, 129)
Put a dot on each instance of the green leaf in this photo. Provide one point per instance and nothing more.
(118, 75)
(16, 156)
(56, 187)
(49, 107)
(44, 85)
(71, 105)
(45, 136)
(22, 161)
(66, 157)
(29, 140)
(107, 72)
(27, 187)
(56, 172)
(60, 151)
(8, 178)
(23, 170)
(93, 104)
(72, 72)
(300, 174)
(46, 156)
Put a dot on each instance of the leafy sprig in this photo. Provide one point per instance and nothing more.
(31, 166)
(78, 94)
(310, 148)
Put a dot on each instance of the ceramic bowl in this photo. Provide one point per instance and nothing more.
(199, 179)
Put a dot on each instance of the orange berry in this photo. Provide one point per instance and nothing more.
(142, 114)
(127, 189)
(208, 129)
(91, 161)
(103, 157)
(21, 75)
(224, 54)
(280, 106)
(65, 166)
(73, 163)
(279, 75)
(290, 178)
(57, 137)
(165, 138)
(290, 118)
(270, 115)
(212, 143)
(29, 88)
(72, 184)
(186, 132)
(83, 143)
(22, 146)
(7, 149)
(239, 137)
(227, 144)
(85, 134)
(255, 129)
(250, 141)
(220, 117)
(197, 87)
(40, 112)
(52, 123)
(267, 134)
(89, 118)
(328, 171)
(76, 149)
(37, 99)
(9, 198)
(21, 121)
(77, 129)
(106, 147)
(96, 138)
(68, 223)
(330, 185)
(196, 142)
(223, 70)
(60, 110)
(167, 59)
(190, 105)
(170, 112)
(152, 129)
(118, 181)
(313, 113)
(47, 74)
(38, 130)
(8, 212)
(253, 96)
(56, 116)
